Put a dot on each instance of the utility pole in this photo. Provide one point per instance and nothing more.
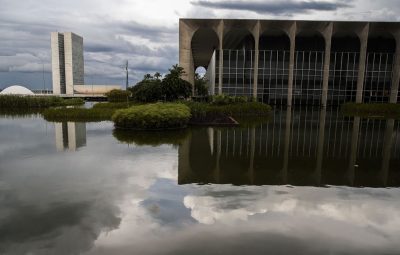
(127, 78)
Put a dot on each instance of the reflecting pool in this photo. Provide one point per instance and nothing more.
(302, 181)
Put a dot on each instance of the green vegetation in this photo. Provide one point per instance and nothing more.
(153, 116)
(207, 113)
(36, 102)
(151, 138)
(371, 110)
(148, 90)
(109, 105)
(77, 114)
(228, 100)
(117, 95)
(18, 112)
(200, 86)
(171, 88)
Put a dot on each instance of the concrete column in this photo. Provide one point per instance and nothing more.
(256, 34)
(396, 73)
(221, 55)
(185, 51)
(363, 36)
(327, 59)
(292, 36)
(184, 170)
(320, 148)
(387, 147)
(252, 154)
(353, 150)
(287, 145)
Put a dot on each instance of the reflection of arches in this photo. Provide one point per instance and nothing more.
(203, 44)
(273, 61)
(379, 67)
(308, 68)
(201, 157)
(344, 66)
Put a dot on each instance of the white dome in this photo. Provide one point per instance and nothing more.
(16, 90)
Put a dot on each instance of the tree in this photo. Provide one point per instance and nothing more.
(173, 86)
(148, 89)
(200, 85)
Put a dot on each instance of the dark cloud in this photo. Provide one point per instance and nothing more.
(274, 7)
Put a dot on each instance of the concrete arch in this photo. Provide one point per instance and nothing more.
(310, 40)
(345, 41)
(204, 42)
(381, 42)
(280, 39)
(238, 38)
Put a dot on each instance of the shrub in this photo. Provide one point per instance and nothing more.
(153, 116)
(225, 100)
(117, 95)
(27, 102)
(77, 114)
(72, 102)
(109, 105)
(205, 112)
(148, 90)
(200, 86)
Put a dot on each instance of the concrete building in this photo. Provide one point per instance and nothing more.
(294, 62)
(67, 62)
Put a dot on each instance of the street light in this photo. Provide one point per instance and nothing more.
(44, 80)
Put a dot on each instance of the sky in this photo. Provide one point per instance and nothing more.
(143, 32)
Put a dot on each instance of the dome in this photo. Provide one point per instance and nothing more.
(16, 90)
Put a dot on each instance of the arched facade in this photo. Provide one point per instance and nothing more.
(381, 48)
(238, 62)
(315, 62)
(273, 66)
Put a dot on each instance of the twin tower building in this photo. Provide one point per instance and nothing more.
(67, 62)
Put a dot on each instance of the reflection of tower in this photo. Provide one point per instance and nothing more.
(70, 135)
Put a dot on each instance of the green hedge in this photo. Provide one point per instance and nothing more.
(206, 112)
(385, 110)
(28, 102)
(109, 105)
(153, 116)
(77, 114)
(117, 95)
(151, 138)
(228, 100)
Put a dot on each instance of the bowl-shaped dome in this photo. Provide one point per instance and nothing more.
(16, 90)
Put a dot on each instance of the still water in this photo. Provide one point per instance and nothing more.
(299, 182)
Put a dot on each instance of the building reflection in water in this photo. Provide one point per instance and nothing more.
(70, 135)
(303, 148)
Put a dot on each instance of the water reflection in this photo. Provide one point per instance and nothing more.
(109, 198)
(70, 135)
(310, 147)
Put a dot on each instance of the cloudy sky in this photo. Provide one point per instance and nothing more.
(143, 32)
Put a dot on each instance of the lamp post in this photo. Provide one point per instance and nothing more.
(44, 80)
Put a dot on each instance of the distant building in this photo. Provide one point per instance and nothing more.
(95, 89)
(67, 62)
(16, 90)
